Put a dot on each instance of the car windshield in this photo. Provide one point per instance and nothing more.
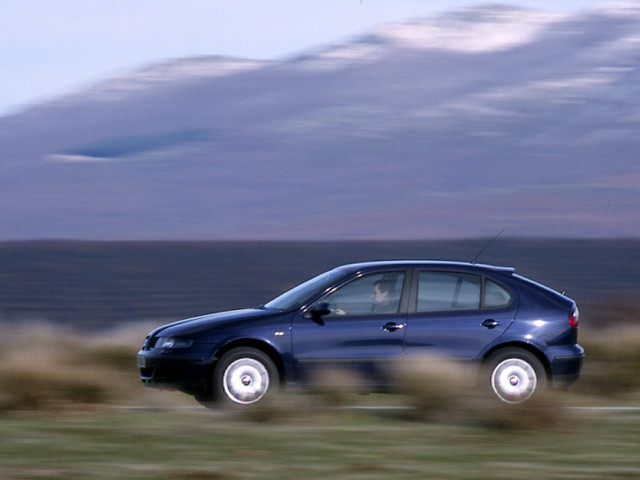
(298, 295)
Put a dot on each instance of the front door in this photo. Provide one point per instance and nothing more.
(361, 336)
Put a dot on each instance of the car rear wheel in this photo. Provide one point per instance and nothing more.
(515, 375)
(244, 376)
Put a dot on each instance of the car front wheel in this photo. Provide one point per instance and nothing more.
(244, 376)
(515, 375)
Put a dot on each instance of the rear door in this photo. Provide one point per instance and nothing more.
(456, 314)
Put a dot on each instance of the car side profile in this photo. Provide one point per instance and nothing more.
(521, 335)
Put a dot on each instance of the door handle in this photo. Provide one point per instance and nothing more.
(490, 323)
(392, 326)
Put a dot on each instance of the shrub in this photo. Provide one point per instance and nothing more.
(612, 362)
(434, 387)
(44, 367)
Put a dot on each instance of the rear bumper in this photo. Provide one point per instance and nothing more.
(566, 366)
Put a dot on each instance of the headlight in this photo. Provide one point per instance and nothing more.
(171, 342)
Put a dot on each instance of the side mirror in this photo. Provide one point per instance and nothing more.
(320, 310)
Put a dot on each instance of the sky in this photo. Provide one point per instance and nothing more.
(50, 48)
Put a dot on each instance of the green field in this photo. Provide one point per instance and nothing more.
(196, 444)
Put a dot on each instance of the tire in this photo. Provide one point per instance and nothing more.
(515, 375)
(244, 376)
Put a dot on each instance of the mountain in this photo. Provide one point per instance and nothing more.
(459, 125)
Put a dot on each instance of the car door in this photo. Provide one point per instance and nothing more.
(360, 332)
(457, 314)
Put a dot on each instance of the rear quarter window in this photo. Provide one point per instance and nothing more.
(495, 295)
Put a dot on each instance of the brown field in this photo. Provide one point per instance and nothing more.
(49, 367)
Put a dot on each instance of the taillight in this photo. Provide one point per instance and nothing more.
(574, 318)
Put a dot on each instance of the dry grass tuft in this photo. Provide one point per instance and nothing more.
(441, 390)
(612, 362)
(338, 388)
(301, 406)
(50, 368)
(434, 387)
(545, 412)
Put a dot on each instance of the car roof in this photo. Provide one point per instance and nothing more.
(431, 264)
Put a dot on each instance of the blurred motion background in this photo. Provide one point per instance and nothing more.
(159, 161)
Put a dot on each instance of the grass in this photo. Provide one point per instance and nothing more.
(198, 444)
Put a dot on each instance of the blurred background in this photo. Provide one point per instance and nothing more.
(160, 160)
(268, 143)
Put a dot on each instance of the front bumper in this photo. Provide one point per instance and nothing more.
(175, 372)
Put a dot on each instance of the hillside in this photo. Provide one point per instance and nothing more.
(101, 283)
(461, 125)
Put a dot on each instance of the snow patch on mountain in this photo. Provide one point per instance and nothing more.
(167, 73)
(473, 31)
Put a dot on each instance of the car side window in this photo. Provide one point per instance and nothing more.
(446, 291)
(377, 293)
(495, 295)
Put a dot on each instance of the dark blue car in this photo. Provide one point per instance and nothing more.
(366, 316)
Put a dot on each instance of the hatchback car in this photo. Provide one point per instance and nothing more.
(521, 335)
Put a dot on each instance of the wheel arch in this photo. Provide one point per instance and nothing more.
(261, 345)
(523, 346)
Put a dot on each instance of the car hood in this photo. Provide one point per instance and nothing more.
(202, 323)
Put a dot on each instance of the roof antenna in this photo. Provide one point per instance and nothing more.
(487, 245)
